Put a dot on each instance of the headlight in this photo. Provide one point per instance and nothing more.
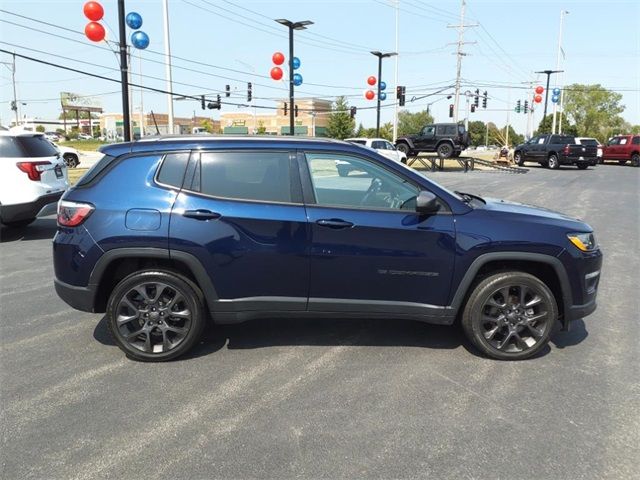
(585, 242)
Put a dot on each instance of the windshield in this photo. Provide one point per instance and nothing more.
(588, 141)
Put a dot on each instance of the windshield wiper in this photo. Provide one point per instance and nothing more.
(467, 197)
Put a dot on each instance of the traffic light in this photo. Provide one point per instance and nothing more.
(227, 91)
(353, 112)
(526, 106)
(451, 110)
(484, 100)
(14, 106)
(473, 108)
(216, 105)
(400, 95)
(518, 106)
(476, 99)
(249, 92)
(202, 102)
(296, 110)
(285, 109)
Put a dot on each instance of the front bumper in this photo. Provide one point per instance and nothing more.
(584, 271)
(44, 205)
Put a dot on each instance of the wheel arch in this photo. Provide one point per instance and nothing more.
(547, 268)
(116, 264)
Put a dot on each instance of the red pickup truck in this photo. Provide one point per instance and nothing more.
(623, 148)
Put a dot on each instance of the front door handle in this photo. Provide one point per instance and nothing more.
(335, 223)
(201, 214)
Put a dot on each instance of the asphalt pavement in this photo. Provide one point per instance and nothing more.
(331, 398)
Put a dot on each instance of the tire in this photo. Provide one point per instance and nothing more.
(71, 160)
(161, 336)
(635, 160)
(404, 148)
(518, 159)
(553, 162)
(622, 162)
(19, 223)
(445, 150)
(526, 327)
(600, 160)
(582, 166)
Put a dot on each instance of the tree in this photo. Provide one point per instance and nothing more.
(477, 132)
(340, 124)
(261, 130)
(410, 123)
(546, 125)
(386, 131)
(40, 129)
(207, 125)
(593, 109)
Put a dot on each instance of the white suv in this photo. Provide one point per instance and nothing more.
(33, 177)
(382, 146)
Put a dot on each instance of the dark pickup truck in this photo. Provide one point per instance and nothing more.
(554, 150)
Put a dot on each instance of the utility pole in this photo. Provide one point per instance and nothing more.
(460, 54)
(380, 56)
(167, 63)
(124, 73)
(555, 105)
(14, 106)
(466, 118)
(141, 95)
(395, 113)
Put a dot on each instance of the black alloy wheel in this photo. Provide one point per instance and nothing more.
(155, 315)
(404, 148)
(510, 316)
(445, 150)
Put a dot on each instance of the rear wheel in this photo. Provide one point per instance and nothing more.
(635, 160)
(445, 150)
(553, 162)
(510, 315)
(155, 315)
(518, 159)
(582, 166)
(71, 160)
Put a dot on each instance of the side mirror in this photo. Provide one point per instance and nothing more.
(426, 202)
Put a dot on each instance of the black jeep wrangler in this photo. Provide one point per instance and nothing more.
(447, 139)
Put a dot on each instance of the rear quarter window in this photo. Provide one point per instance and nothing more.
(172, 169)
(96, 170)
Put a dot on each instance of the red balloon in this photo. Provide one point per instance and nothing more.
(539, 89)
(278, 58)
(369, 95)
(537, 98)
(371, 81)
(276, 73)
(93, 11)
(94, 31)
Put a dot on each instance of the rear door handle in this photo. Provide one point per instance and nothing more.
(201, 214)
(334, 223)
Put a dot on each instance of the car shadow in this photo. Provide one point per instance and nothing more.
(279, 332)
(41, 229)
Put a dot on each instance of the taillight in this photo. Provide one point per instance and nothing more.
(72, 214)
(33, 169)
(565, 150)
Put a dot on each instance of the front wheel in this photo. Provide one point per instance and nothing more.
(518, 159)
(445, 150)
(404, 148)
(635, 160)
(155, 316)
(510, 315)
(553, 162)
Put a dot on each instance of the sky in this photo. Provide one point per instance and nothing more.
(222, 42)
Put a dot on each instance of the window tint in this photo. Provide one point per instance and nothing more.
(26, 146)
(263, 176)
(636, 140)
(173, 168)
(94, 171)
(389, 146)
(589, 141)
(345, 181)
(359, 142)
(447, 130)
(378, 145)
(428, 130)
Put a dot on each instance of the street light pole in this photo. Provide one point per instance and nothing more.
(555, 105)
(124, 74)
(292, 26)
(546, 92)
(380, 56)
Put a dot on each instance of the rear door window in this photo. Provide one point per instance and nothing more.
(26, 146)
(378, 145)
(251, 175)
(636, 140)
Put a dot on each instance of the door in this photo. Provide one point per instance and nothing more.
(427, 138)
(538, 150)
(369, 248)
(240, 213)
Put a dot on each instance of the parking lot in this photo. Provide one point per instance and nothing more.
(332, 399)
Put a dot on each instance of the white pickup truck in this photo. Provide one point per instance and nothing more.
(33, 177)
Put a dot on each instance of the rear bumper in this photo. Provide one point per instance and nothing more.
(23, 211)
(80, 298)
(577, 160)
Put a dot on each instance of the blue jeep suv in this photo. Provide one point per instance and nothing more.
(167, 233)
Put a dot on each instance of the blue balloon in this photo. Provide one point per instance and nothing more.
(555, 99)
(382, 87)
(134, 20)
(297, 79)
(140, 40)
(296, 63)
(383, 96)
(556, 91)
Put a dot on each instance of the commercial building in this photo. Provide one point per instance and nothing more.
(158, 123)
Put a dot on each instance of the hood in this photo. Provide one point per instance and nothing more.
(544, 214)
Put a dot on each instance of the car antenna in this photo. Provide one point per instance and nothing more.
(155, 123)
